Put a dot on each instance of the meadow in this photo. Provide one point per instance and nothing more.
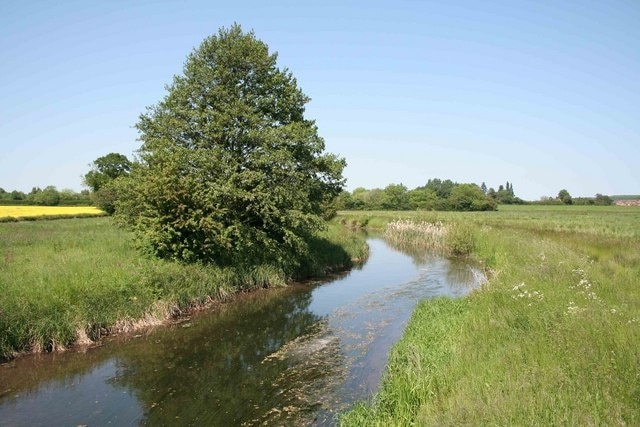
(76, 280)
(551, 339)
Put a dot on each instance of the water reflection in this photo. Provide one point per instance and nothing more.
(296, 355)
(198, 376)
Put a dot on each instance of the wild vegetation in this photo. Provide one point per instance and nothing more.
(453, 239)
(73, 280)
(551, 339)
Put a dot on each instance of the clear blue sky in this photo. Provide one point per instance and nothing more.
(544, 94)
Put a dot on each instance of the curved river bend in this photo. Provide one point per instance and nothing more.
(297, 355)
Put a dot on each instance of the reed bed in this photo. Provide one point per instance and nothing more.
(420, 235)
(453, 239)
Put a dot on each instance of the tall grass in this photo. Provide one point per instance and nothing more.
(422, 235)
(66, 280)
(452, 239)
(552, 339)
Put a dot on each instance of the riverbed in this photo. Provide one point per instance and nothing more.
(298, 355)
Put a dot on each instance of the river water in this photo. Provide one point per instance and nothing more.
(298, 355)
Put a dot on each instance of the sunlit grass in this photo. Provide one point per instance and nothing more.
(68, 279)
(550, 340)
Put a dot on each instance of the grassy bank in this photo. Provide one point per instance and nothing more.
(65, 280)
(551, 339)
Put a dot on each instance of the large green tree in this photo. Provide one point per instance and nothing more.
(565, 197)
(105, 169)
(230, 169)
(104, 179)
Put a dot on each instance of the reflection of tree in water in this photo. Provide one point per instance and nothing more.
(219, 371)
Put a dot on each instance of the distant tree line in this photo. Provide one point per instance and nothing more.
(436, 194)
(625, 197)
(504, 195)
(564, 198)
(48, 196)
(446, 195)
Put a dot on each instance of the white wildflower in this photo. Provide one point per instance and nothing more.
(572, 308)
(517, 287)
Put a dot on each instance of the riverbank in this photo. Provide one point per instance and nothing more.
(74, 281)
(551, 339)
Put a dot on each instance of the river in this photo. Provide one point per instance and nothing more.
(297, 355)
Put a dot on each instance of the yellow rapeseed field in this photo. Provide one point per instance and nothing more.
(37, 211)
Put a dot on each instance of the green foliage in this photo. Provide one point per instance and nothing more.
(504, 196)
(598, 200)
(469, 197)
(105, 169)
(565, 197)
(231, 172)
(344, 201)
(105, 180)
(602, 200)
(107, 195)
(17, 195)
(423, 199)
(47, 197)
(436, 195)
(395, 197)
(441, 188)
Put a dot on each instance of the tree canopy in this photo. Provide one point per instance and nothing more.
(565, 197)
(104, 179)
(230, 169)
(105, 169)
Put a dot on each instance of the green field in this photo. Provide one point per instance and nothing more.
(73, 279)
(551, 339)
